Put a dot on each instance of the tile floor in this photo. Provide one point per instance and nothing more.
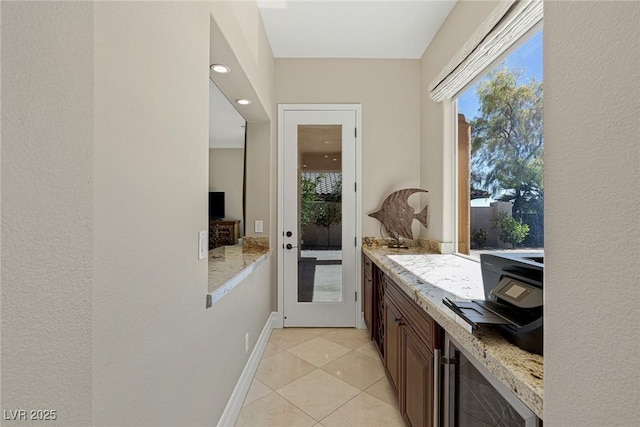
(320, 377)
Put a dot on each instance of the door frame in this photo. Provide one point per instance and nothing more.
(357, 108)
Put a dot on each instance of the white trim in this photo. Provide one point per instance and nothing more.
(279, 231)
(449, 191)
(279, 319)
(234, 405)
(359, 306)
(454, 175)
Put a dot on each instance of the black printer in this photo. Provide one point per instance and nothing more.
(513, 298)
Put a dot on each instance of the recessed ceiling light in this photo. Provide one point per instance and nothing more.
(335, 160)
(304, 166)
(243, 101)
(219, 68)
(326, 156)
(328, 142)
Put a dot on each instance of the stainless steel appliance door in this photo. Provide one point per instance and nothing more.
(476, 398)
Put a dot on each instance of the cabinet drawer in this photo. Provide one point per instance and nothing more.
(420, 321)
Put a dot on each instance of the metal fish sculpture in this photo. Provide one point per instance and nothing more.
(396, 215)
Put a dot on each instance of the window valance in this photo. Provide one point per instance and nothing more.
(508, 22)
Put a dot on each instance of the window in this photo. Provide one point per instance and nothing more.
(500, 156)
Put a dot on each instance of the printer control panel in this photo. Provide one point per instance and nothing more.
(518, 293)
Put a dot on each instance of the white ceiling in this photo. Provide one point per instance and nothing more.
(352, 28)
(325, 29)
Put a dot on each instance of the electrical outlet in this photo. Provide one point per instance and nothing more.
(259, 226)
(202, 244)
(246, 343)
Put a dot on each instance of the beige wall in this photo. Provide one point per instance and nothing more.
(436, 162)
(104, 192)
(388, 92)
(155, 343)
(226, 173)
(592, 266)
(47, 209)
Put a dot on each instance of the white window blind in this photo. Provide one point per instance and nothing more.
(509, 21)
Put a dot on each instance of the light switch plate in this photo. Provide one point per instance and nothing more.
(259, 226)
(202, 244)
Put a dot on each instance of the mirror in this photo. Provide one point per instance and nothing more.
(226, 162)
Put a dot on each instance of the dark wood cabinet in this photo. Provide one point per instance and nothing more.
(416, 401)
(367, 290)
(410, 338)
(392, 347)
(223, 233)
(373, 300)
(378, 309)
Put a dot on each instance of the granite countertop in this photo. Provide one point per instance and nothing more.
(229, 265)
(427, 278)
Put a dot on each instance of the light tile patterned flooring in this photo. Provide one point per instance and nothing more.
(320, 377)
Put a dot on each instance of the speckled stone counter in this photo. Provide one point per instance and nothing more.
(229, 265)
(427, 278)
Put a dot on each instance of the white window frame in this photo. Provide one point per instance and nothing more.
(453, 124)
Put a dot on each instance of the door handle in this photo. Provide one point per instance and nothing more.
(289, 246)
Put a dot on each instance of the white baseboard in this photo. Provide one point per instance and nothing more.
(234, 405)
(361, 323)
(278, 322)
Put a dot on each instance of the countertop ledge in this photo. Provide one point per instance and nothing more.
(229, 266)
(427, 278)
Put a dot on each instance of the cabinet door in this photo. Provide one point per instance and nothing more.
(392, 329)
(378, 308)
(416, 393)
(367, 290)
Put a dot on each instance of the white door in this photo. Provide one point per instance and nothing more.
(319, 218)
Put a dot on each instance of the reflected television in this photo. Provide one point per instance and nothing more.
(216, 204)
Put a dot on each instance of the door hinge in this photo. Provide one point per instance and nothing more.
(356, 296)
(355, 187)
(355, 132)
(355, 241)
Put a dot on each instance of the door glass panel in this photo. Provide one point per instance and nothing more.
(320, 213)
